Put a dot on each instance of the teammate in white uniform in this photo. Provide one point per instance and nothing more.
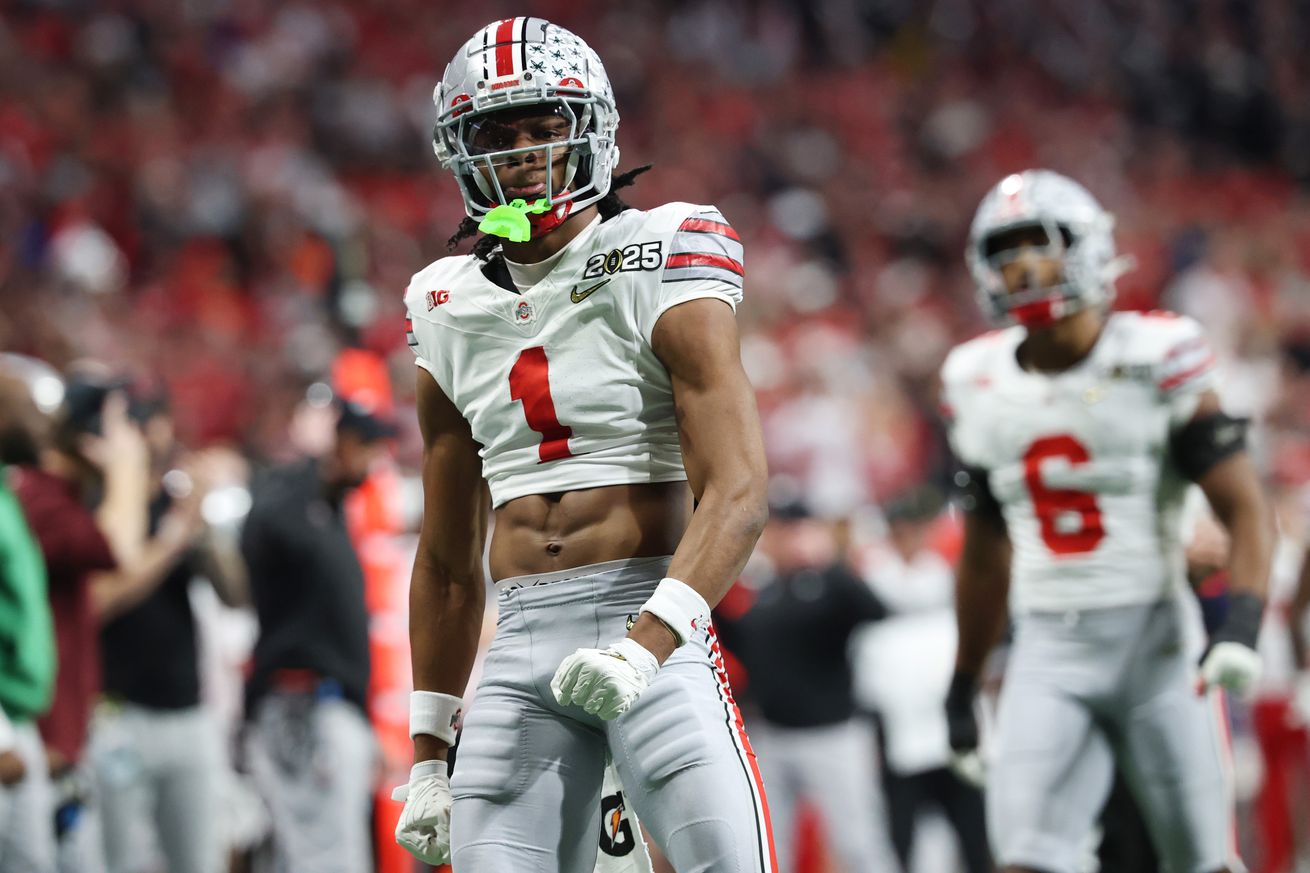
(582, 376)
(1079, 431)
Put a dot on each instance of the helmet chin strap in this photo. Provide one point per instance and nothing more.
(1038, 314)
(520, 221)
(508, 220)
(544, 222)
(1044, 311)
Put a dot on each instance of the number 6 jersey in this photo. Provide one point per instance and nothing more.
(559, 383)
(1079, 460)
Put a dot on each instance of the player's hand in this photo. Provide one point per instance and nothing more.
(1232, 661)
(120, 451)
(970, 768)
(1232, 666)
(962, 730)
(424, 826)
(605, 682)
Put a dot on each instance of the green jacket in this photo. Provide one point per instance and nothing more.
(27, 632)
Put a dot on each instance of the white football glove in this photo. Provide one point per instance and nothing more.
(1231, 665)
(970, 767)
(605, 682)
(424, 826)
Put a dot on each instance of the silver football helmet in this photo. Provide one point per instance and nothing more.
(1079, 233)
(519, 62)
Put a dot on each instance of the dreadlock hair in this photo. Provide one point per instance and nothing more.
(609, 206)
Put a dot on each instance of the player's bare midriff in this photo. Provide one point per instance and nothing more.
(542, 533)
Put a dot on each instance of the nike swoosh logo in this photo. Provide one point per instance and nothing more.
(578, 296)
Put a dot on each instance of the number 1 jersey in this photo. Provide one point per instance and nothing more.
(560, 384)
(1079, 460)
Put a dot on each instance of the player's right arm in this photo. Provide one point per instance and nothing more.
(447, 596)
(447, 593)
(982, 584)
(982, 580)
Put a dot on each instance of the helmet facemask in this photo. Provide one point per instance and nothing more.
(1045, 302)
(476, 155)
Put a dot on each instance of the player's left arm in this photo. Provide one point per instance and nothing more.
(1210, 449)
(722, 450)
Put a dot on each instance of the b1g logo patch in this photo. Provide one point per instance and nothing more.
(629, 259)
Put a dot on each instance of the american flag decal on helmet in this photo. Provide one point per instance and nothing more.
(409, 333)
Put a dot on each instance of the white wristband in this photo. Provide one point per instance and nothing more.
(435, 714)
(680, 607)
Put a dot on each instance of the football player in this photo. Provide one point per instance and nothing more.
(580, 374)
(1079, 431)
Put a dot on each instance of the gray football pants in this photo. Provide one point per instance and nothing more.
(1083, 689)
(528, 780)
(313, 760)
(159, 774)
(834, 768)
(27, 829)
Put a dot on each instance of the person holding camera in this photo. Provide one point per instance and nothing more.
(156, 748)
(85, 498)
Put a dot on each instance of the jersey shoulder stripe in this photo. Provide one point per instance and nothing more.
(705, 246)
(708, 225)
(1189, 360)
(704, 259)
(1175, 346)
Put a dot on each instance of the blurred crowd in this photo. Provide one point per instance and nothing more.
(227, 194)
(224, 201)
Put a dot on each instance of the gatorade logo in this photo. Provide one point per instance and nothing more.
(615, 833)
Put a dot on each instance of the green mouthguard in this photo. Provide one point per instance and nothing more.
(511, 221)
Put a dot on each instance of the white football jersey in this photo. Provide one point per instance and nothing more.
(1079, 461)
(559, 384)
